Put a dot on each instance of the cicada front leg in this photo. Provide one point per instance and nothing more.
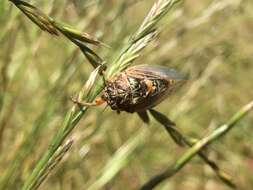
(98, 101)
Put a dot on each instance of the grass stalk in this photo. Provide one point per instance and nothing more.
(54, 27)
(198, 147)
(183, 140)
(54, 161)
(141, 39)
(28, 145)
(119, 160)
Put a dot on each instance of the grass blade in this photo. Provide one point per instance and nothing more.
(191, 152)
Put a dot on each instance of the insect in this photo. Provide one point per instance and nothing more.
(138, 89)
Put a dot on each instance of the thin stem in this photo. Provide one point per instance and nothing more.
(191, 152)
(129, 54)
(182, 140)
(54, 27)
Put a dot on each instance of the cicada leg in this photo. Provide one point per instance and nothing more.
(98, 101)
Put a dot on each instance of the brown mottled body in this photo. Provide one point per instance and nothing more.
(140, 88)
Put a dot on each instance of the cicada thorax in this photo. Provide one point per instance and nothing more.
(139, 88)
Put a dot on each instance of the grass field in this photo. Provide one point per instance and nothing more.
(211, 41)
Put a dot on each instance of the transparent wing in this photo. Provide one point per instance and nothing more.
(164, 81)
(154, 72)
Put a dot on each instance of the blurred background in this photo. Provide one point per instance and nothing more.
(209, 40)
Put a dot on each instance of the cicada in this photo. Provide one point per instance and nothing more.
(138, 89)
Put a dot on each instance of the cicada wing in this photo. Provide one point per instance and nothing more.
(173, 78)
(156, 72)
(164, 80)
